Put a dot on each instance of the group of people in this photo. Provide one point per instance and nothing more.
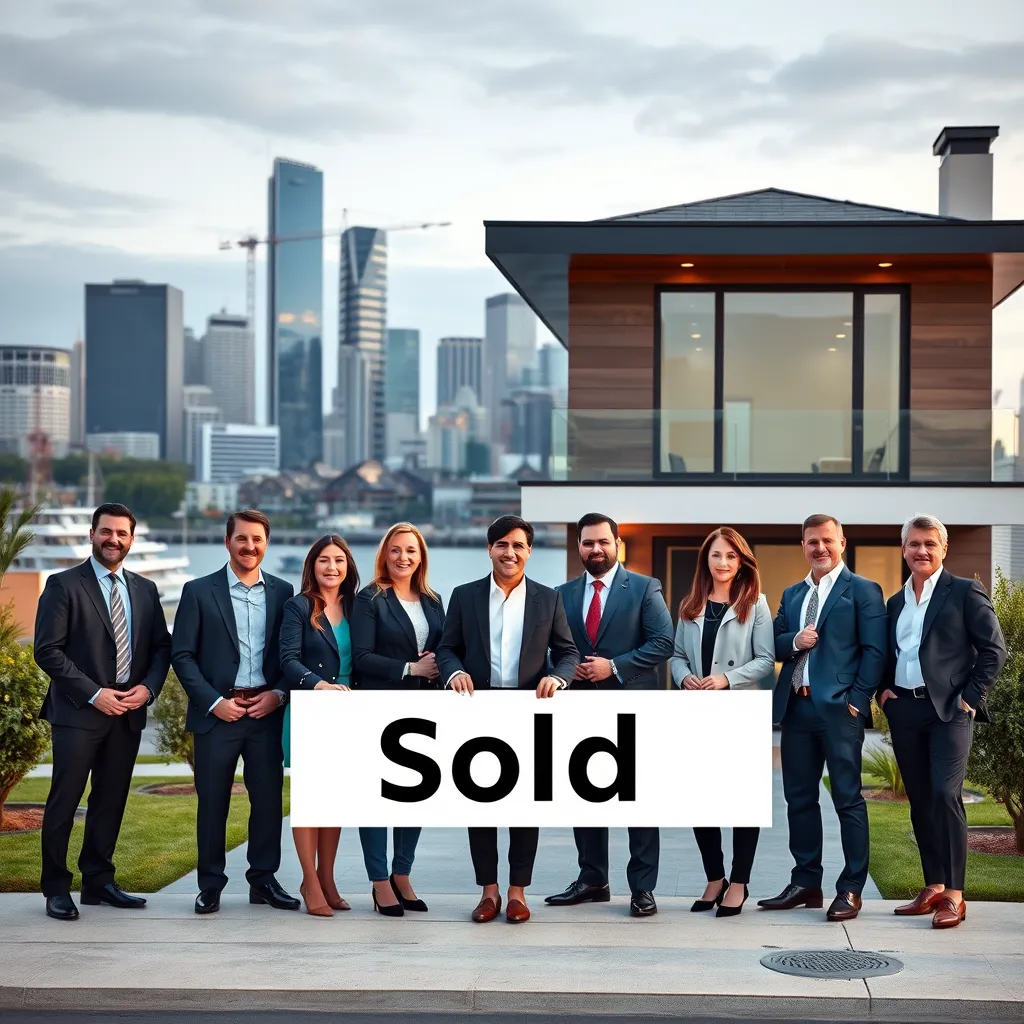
(242, 641)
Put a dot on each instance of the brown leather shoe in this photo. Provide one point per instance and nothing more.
(845, 907)
(517, 911)
(487, 910)
(923, 903)
(949, 914)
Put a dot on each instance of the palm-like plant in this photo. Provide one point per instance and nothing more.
(15, 536)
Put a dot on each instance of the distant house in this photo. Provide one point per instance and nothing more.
(389, 494)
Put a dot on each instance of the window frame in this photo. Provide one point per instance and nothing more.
(857, 292)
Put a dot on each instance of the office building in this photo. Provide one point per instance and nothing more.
(199, 410)
(76, 428)
(459, 365)
(510, 347)
(229, 366)
(362, 314)
(530, 411)
(35, 393)
(334, 438)
(129, 444)
(457, 436)
(553, 373)
(134, 362)
(294, 310)
(193, 358)
(401, 389)
(354, 406)
(231, 451)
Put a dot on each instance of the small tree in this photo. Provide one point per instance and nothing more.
(169, 713)
(997, 755)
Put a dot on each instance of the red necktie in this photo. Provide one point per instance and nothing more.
(594, 612)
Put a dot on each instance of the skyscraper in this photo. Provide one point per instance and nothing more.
(294, 310)
(354, 410)
(401, 388)
(510, 348)
(134, 373)
(459, 364)
(229, 358)
(76, 429)
(193, 359)
(362, 314)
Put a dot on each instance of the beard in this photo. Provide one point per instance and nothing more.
(105, 559)
(598, 563)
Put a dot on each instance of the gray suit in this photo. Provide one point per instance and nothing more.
(636, 633)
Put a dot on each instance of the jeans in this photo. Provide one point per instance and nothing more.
(374, 842)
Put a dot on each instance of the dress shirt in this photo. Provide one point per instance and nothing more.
(420, 627)
(506, 619)
(825, 585)
(908, 632)
(106, 583)
(249, 605)
(588, 596)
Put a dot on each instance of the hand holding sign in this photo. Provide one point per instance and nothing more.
(462, 683)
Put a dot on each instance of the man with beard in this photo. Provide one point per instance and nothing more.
(225, 652)
(101, 637)
(623, 630)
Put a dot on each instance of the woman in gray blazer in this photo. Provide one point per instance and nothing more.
(724, 641)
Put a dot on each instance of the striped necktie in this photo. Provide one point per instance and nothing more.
(810, 618)
(120, 623)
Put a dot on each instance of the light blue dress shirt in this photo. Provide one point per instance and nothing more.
(106, 583)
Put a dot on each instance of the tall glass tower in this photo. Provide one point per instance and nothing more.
(295, 259)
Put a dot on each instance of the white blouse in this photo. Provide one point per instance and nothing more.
(419, 623)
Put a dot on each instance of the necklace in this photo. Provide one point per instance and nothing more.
(709, 613)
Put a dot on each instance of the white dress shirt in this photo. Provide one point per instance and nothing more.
(909, 627)
(825, 585)
(506, 619)
(588, 596)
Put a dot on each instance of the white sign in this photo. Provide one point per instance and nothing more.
(438, 759)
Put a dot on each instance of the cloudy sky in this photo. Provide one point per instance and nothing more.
(135, 136)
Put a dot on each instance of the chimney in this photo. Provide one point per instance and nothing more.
(965, 174)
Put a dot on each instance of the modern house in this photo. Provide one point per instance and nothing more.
(755, 358)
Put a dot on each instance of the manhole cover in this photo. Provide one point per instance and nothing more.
(831, 963)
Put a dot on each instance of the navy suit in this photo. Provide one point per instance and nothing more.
(636, 633)
(843, 669)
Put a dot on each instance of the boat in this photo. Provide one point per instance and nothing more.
(290, 565)
(61, 541)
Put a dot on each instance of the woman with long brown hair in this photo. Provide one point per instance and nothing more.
(316, 654)
(724, 641)
(396, 625)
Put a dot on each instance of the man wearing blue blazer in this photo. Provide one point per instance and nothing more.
(830, 635)
(623, 631)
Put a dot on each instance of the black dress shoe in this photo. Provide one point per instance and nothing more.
(580, 892)
(794, 896)
(273, 895)
(208, 901)
(724, 911)
(845, 907)
(641, 903)
(417, 905)
(113, 896)
(61, 908)
(699, 906)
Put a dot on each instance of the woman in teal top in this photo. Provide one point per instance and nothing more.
(316, 654)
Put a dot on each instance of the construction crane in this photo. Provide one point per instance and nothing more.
(251, 243)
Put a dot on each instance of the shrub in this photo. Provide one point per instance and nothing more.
(24, 736)
(997, 754)
(169, 714)
(882, 765)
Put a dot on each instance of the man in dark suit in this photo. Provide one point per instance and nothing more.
(226, 654)
(830, 637)
(622, 627)
(101, 637)
(496, 636)
(945, 651)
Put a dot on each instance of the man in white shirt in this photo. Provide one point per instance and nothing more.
(945, 651)
(830, 636)
(506, 648)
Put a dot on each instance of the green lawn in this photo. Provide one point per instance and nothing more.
(141, 759)
(156, 846)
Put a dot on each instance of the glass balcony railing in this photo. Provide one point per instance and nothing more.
(743, 442)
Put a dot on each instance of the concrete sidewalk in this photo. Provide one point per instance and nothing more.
(580, 959)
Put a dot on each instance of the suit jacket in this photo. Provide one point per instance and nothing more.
(744, 651)
(962, 647)
(466, 639)
(635, 629)
(383, 640)
(204, 646)
(846, 664)
(74, 645)
(307, 654)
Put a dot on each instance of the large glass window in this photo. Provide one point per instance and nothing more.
(882, 383)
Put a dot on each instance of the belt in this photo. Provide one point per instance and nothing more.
(248, 691)
(803, 691)
(920, 692)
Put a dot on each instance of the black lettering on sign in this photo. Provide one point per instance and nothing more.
(542, 758)
(508, 775)
(624, 752)
(391, 747)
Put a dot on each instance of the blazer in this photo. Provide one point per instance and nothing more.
(466, 639)
(74, 645)
(962, 647)
(635, 629)
(383, 640)
(846, 664)
(204, 645)
(307, 654)
(744, 651)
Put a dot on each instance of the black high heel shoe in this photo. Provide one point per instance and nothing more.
(731, 911)
(702, 905)
(406, 904)
(393, 911)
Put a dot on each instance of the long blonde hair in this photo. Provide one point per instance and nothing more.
(382, 579)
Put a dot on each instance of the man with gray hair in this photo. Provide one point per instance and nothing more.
(945, 651)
